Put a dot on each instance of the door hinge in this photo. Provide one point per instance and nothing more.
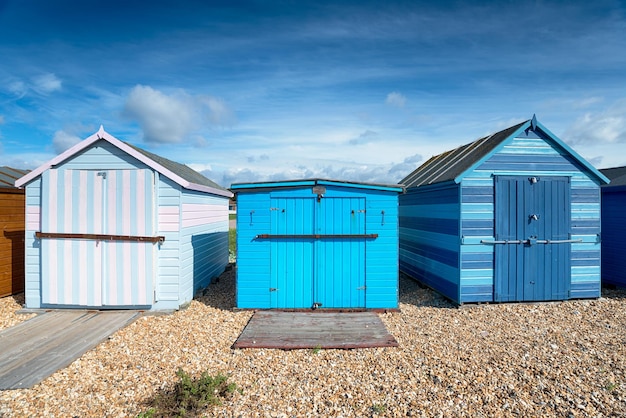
(273, 289)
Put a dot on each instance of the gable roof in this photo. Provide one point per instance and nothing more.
(178, 173)
(8, 175)
(616, 174)
(453, 165)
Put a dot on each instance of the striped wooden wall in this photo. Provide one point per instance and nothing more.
(613, 234)
(174, 216)
(441, 226)
(12, 219)
(379, 256)
(80, 272)
(429, 237)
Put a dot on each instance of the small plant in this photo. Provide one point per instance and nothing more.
(147, 414)
(316, 349)
(379, 408)
(191, 396)
(610, 386)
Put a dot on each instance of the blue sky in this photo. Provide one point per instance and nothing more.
(253, 91)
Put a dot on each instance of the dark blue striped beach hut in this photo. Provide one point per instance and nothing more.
(513, 216)
(614, 227)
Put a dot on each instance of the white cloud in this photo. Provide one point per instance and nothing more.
(172, 118)
(606, 126)
(365, 137)
(219, 112)
(63, 141)
(395, 99)
(18, 88)
(46, 83)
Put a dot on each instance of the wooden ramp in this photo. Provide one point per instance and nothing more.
(296, 330)
(35, 349)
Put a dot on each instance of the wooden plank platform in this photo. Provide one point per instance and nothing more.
(319, 329)
(35, 349)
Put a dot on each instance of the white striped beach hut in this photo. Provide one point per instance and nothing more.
(112, 226)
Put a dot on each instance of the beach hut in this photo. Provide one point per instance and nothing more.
(513, 216)
(12, 234)
(109, 225)
(317, 243)
(614, 227)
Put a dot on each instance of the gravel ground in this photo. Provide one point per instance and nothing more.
(555, 359)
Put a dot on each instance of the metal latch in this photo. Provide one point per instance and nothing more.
(273, 289)
(316, 305)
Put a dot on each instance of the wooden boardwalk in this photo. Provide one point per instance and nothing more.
(297, 330)
(35, 349)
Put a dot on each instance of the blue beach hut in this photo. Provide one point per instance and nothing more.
(614, 227)
(109, 225)
(317, 243)
(513, 216)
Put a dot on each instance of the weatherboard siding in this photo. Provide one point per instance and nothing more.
(613, 233)
(377, 257)
(204, 241)
(527, 157)
(175, 213)
(429, 237)
(253, 271)
(442, 225)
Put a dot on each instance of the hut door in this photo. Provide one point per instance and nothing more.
(291, 259)
(90, 272)
(532, 250)
(340, 262)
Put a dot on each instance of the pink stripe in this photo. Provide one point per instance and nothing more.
(111, 256)
(52, 201)
(83, 275)
(68, 263)
(51, 246)
(98, 227)
(82, 202)
(97, 279)
(127, 276)
(169, 218)
(33, 218)
(141, 202)
(125, 193)
(141, 272)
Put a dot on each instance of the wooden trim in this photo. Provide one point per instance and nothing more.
(100, 237)
(315, 236)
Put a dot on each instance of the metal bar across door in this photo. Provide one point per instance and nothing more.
(314, 236)
(100, 237)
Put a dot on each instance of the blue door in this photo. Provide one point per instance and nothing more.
(317, 254)
(291, 261)
(532, 250)
(340, 262)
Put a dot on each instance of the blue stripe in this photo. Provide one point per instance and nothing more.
(477, 227)
(439, 254)
(477, 260)
(476, 293)
(480, 194)
(441, 226)
(585, 195)
(432, 280)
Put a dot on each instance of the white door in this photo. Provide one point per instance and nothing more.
(85, 270)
